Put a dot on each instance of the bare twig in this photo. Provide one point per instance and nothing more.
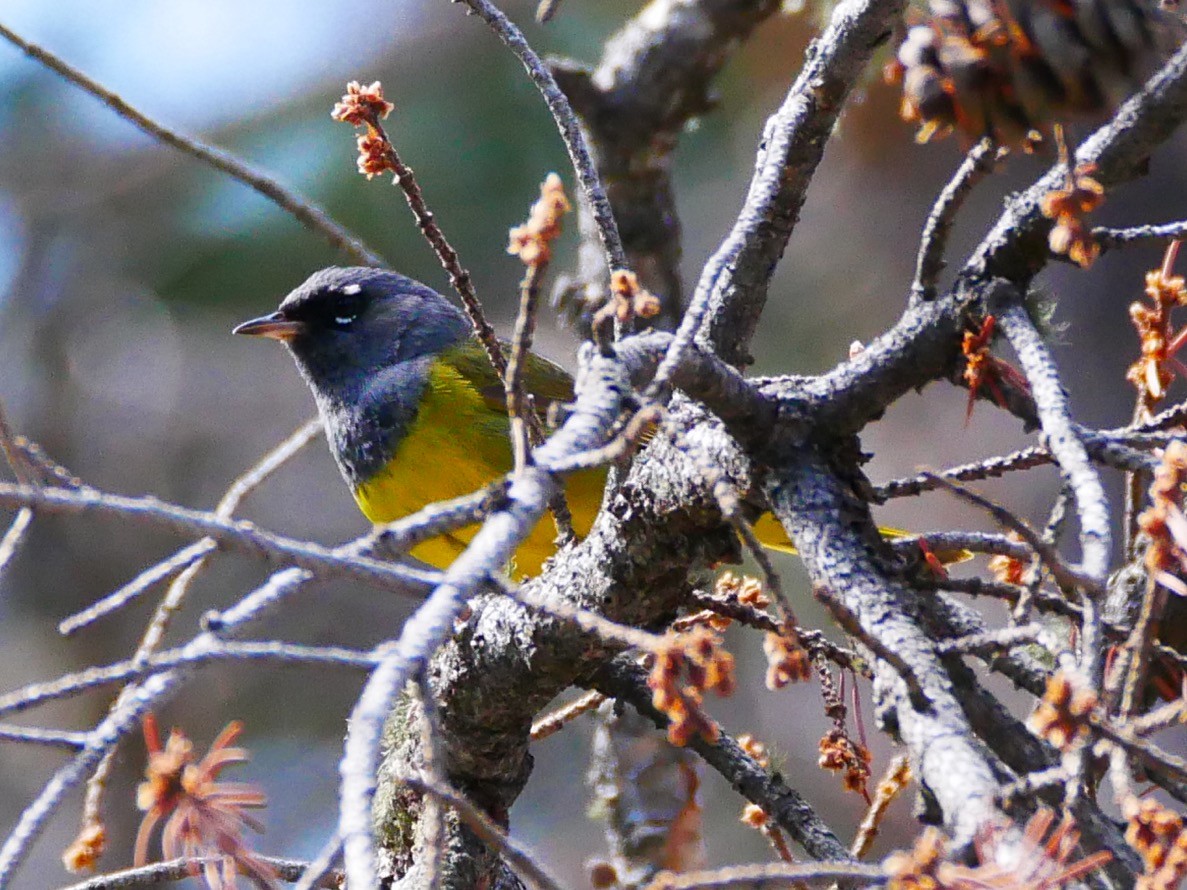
(304, 211)
(180, 869)
(136, 668)
(776, 874)
(1068, 449)
(555, 721)
(238, 535)
(459, 276)
(730, 294)
(432, 813)
(1109, 238)
(1064, 574)
(10, 544)
(524, 864)
(525, 424)
(566, 122)
(35, 736)
(976, 165)
(991, 642)
(156, 574)
(15, 536)
(317, 874)
(898, 776)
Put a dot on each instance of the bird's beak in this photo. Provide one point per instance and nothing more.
(274, 327)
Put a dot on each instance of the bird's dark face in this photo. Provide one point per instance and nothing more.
(344, 326)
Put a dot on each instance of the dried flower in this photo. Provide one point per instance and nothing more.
(362, 104)
(205, 817)
(1061, 718)
(1071, 236)
(787, 659)
(839, 753)
(1157, 834)
(698, 657)
(1007, 569)
(602, 875)
(1039, 862)
(918, 869)
(87, 849)
(984, 369)
(374, 157)
(532, 242)
(1164, 520)
(1154, 371)
(755, 749)
(628, 299)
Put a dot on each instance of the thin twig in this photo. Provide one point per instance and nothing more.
(992, 641)
(156, 574)
(1137, 649)
(459, 276)
(930, 262)
(1143, 749)
(137, 668)
(243, 536)
(776, 874)
(519, 409)
(1065, 575)
(554, 721)
(8, 444)
(566, 122)
(852, 626)
(36, 736)
(1109, 238)
(897, 777)
(15, 536)
(317, 874)
(180, 869)
(432, 812)
(304, 211)
(524, 864)
(1069, 452)
(526, 430)
(10, 544)
(592, 622)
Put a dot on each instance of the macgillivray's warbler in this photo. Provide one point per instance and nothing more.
(412, 408)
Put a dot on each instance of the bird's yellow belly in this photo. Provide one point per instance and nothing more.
(453, 449)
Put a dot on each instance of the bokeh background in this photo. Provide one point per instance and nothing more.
(124, 264)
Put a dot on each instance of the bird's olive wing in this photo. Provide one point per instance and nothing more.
(546, 381)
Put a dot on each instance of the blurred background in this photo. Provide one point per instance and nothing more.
(124, 265)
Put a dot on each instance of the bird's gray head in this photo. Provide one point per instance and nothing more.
(345, 325)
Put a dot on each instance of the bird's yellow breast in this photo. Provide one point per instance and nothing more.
(457, 444)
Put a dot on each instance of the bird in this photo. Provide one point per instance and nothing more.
(413, 410)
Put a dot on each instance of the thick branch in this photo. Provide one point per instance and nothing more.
(837, 540)
(627, 682)
(654, 76)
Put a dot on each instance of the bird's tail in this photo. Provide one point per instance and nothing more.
(773, 537)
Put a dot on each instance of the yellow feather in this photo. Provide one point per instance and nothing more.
(458, 443)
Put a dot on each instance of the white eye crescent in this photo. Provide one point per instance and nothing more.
(344, 319)
(351, 289)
